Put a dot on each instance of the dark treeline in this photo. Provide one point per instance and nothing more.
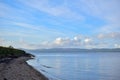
(10, 52)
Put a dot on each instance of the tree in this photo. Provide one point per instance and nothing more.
(11, 47)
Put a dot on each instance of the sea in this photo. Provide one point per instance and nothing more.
(78, 65)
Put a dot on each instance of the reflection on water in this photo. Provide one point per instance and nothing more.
(78, 66)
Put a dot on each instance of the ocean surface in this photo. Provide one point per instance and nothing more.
(78, 65)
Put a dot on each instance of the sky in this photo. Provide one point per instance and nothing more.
(36, 24)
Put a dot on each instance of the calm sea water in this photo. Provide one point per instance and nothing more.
(78, 66)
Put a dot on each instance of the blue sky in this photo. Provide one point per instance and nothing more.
(35, 24)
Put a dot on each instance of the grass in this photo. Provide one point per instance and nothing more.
(10, 52)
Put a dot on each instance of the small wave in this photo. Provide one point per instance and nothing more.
(47, 66)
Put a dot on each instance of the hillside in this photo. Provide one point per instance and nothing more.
(9, 52)
(64, 50)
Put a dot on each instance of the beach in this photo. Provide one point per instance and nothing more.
(18, 69)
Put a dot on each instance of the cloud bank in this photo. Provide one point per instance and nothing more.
(108, 40)
(53, 24)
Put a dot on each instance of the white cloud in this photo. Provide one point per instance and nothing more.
(108, 28)
(61, 10)
(58, 41)
(5, 42)
(78, 37)
(98, 41)
(106, 10)
(88, 40)
(26, 45)
(10, 13)
(1, 41)
(117, 45)
(38, 28)
(62, 42)
(112, 35)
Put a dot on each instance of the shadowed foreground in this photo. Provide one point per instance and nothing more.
(13, 65)
(18, 69)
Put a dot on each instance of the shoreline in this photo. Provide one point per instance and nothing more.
(19, 69)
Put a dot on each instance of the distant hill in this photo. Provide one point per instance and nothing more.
(74, 50)
(10, 52)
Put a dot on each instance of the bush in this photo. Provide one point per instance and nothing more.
(11, 52)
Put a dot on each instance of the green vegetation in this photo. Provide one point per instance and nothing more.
(10, 52)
